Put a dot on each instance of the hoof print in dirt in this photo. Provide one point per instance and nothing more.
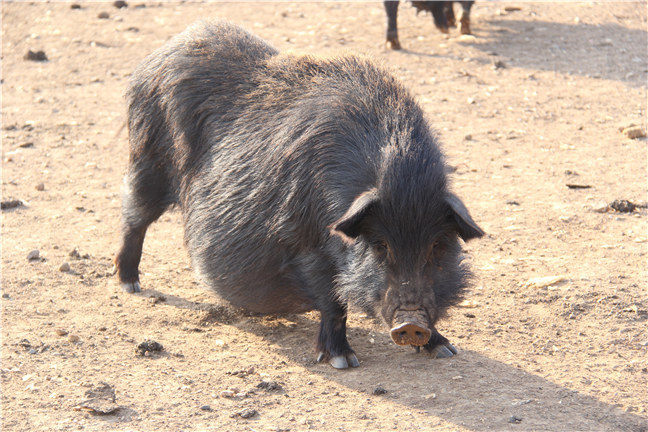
(100, 400)
(148, 348)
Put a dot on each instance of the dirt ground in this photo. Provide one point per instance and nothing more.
(571, 356)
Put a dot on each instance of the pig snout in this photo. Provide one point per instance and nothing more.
(410, 333)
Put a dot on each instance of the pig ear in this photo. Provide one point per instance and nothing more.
(466, 226)
(348, 226)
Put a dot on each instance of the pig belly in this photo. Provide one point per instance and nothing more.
(268, 297)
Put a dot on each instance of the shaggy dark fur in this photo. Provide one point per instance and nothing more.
(442, 14)
(304, 183)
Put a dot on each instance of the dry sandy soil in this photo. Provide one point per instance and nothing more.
(569, 356)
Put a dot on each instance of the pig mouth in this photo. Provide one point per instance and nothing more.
(410, 328)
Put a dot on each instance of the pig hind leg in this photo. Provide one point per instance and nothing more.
(146, 197)
(439, 346)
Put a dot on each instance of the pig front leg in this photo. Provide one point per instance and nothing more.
(332, 344)
(439, 347)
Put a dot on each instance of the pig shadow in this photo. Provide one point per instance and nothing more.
(599, 51)
(470, 390)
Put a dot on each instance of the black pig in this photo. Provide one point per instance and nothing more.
(304, 183)
(442, 14)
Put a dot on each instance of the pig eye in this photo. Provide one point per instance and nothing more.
(381, 248)
(434, 252)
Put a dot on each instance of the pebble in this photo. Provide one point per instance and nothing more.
(634, 132)
(227, 394)
(9, 204)
(61, 332)
(35, 56)
(515, 419)
(103, 15)
(379, 390)
(469, 304)
(149, 346)
(499, 64)
(247, 413)
(269, 386)
(542, 282)
(512, 8)
(75, 6)
(40, 187)
(468, 137)
(120, 4)
(65, 267)
(73, 338)
(206, 408)
(33, 255)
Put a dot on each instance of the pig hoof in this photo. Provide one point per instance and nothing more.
(339, 362)
(353, 360)
(443, 351)
(131, 287)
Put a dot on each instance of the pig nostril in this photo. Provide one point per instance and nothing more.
(418, 333)
(403, 333)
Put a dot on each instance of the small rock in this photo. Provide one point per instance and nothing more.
(74, 253)
(269, 386)
(120, 4)
(157, 298)
(28, 144)
(512, 8)
(471, 101)
(468, 137)
(512, 202)
(227, 394)
(10, 204)
(634, 132)
(100, 400)
(73, 338)
(578, 186)
(247, 413)
(379, 390)
(5, 296)
(40, 187)
(542, 282)
(61, 332)
(623, 206)
(206, 408)
(35, 56)
(469, 315)
(515, 419)
(148, 346)
(65, 267)
(75, 6)
(499, 64)
(33, 255)
(103, 15)
(469, 304)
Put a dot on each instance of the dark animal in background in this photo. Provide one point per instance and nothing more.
(442, 14)
(304, 183)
